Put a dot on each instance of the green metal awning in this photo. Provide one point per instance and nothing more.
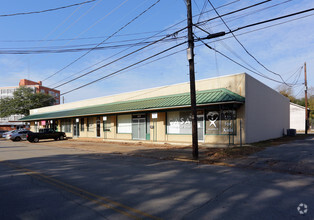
(207, 97)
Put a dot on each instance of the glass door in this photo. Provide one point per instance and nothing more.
(76, 131)
(200, 127)
(138, 129)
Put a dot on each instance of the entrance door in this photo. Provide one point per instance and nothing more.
(200, 127)
(138, 129)
(98, 127)
(76, 131)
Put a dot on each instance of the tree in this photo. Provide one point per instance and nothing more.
(286, 91)
(23, 100)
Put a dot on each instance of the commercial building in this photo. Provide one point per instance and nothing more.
(12, 122)
(231, 109)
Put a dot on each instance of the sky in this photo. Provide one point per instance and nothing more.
(120, 27)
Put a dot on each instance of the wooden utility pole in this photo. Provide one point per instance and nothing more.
(305, 97)
(190, 54)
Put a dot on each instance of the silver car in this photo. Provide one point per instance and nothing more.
(20, 135)
(1, 133)
(4, 135)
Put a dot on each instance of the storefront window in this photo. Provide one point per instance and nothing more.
(66, 125)
(179, 122)
(212, 122)
(220, 122)
(124, 124)
(89, 124)
(106, 124)
(82, 124)
(228, 121)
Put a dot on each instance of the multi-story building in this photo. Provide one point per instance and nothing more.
(38, 87)
(11, 122)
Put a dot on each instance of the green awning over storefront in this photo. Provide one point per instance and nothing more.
(207, 97)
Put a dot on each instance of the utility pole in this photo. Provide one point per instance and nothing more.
(305, 97)
(190, 54)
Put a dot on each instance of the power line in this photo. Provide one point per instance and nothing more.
(103, 41)
(273, 19)
(250, 54)
(148, 38)
(129, 54)
(78, 19)
(232, 12)
(252, 12)
(180, 51)
(46, 10)
(125, 68)
(83, 46)
(162, 39)
(117, 35)
(294, 73)
(237, 62)
(99, 20)
(120, 58)
(73, 49)
(221, 39)
(233, 52)
(258, 29)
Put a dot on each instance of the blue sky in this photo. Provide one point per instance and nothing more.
(283, 48)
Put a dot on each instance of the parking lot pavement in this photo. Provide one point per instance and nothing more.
(296, 157)
(86, 185)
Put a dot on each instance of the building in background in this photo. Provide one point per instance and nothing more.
(230, 110)
(12, 122)
(38, 87)
(297, 117)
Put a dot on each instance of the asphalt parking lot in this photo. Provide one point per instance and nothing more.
(38, 179)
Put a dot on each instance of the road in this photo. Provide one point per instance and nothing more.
(38, 181)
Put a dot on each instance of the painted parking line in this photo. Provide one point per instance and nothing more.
(102, 201)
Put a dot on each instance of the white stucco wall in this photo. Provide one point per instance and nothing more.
(267, 113)
(297, 117)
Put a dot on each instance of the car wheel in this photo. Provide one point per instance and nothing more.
(56, 139)
(36, 140)
(61, 137)
(17, 139)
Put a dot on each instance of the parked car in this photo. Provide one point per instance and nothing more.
(7, 133)
(12, 131)
(45, 134)
(18, 135)
(1, 133)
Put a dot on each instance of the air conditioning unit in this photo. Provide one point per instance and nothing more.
(291, 132)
